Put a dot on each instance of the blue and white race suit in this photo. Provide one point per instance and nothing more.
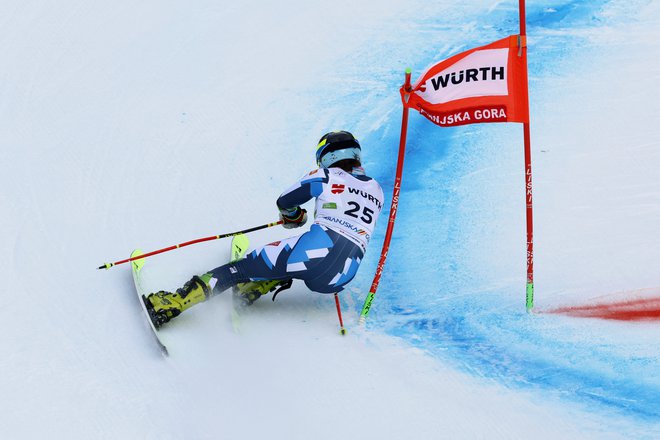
(326, 257)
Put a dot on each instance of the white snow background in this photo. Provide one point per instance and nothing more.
(146, 124)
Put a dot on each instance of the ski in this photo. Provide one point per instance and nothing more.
(239, 247)
(136, 266)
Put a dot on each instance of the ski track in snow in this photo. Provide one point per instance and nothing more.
(131, 129)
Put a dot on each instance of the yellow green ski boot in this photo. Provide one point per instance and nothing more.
(253, 290)
(163, 306)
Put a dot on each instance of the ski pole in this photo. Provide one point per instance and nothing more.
(188, 243)
(341, 321)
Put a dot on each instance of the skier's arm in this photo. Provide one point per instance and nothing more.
(311, 185)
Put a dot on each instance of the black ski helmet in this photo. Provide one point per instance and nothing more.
(336, 146)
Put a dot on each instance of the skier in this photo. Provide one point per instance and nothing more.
(326, 257)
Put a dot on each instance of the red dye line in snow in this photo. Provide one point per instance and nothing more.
(646, 309)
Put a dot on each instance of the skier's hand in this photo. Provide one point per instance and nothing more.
(293, 219)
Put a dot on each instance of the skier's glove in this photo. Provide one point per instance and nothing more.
(293, 218)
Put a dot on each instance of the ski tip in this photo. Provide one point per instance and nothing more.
(138, 263)
(239, 246)
(240, 239)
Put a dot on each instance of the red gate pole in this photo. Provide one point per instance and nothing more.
(529, 296)
(395, 202)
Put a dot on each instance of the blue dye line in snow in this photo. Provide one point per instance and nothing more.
(476, 342)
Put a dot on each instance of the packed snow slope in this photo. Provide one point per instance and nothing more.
(147, 124)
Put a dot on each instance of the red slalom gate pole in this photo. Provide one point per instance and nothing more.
(395, 203)
(529, 293)
(188, 243)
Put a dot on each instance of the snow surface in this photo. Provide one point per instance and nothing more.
(145, 124)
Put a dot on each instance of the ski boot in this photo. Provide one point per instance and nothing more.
(253, 290)
(163, 306)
